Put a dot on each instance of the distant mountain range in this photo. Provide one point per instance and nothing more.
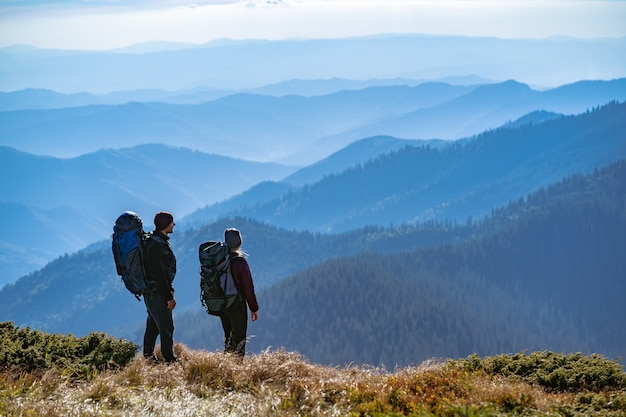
(296, 130)
(435, 181)
(41, 98)
(244, 64)
(74, 201)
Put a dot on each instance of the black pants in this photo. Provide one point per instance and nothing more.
(159, 323)
(235, 325)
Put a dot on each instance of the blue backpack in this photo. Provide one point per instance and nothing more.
(128, 238)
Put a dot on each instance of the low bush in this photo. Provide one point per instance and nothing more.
(31, 351)
(552, 371)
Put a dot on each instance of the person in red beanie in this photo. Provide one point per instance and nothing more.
(160, 266)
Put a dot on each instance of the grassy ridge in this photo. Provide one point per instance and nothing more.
(280, 383)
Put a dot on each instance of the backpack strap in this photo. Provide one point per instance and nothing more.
(231, 256)
(156, 238)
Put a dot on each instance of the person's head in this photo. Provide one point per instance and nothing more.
(164, 222)
(232, 237)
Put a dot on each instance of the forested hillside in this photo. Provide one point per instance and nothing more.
(466, 179)
(549, 276)
(94, 298)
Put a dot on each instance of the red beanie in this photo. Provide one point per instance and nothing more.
(162, 219)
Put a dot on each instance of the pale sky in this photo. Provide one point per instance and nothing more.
(107, 25)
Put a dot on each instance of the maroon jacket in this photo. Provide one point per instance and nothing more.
(243, 280)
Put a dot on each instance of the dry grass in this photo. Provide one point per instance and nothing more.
(281, 383)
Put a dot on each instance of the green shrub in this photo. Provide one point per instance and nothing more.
(32, 350)
(553, 371)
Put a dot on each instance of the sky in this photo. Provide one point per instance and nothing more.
(110, 24)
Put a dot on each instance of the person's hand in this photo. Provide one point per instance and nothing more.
(171, 304)
(254, 315)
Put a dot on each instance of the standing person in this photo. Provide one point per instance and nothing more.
(160, 266)
(235, 320)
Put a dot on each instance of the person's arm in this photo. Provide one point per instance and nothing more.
(168, 262)
(243, 278)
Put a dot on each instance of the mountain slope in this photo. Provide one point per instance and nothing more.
(454, 183)
(355, 153)
(74, 202)
(95, 298)
(34, 236)
(127, 176)
(548, 276)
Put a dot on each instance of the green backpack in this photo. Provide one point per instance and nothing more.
(218, 292)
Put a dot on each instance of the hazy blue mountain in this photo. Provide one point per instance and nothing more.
(263, 193)
(40, 98)
(34, 236)
(31, 98)
(490, 106)
(460, 117)
(538, 116)
(129, 176)
(313, 87)
(242, 125)
(355, 153)
(294, 130)
(457, 182)
(309, 88)
(74, 202)
(374, 57)
(258, 195)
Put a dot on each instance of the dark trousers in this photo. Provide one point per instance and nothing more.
(235, 325)
(159, 323)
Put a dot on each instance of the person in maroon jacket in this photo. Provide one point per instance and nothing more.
(235, 320)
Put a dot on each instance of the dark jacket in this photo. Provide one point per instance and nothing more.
(160, 264)
(243, 280)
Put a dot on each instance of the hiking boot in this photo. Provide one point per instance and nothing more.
(171, 361)
(151, 359)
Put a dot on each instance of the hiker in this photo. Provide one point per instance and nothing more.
(235, 320)
(160, 266)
